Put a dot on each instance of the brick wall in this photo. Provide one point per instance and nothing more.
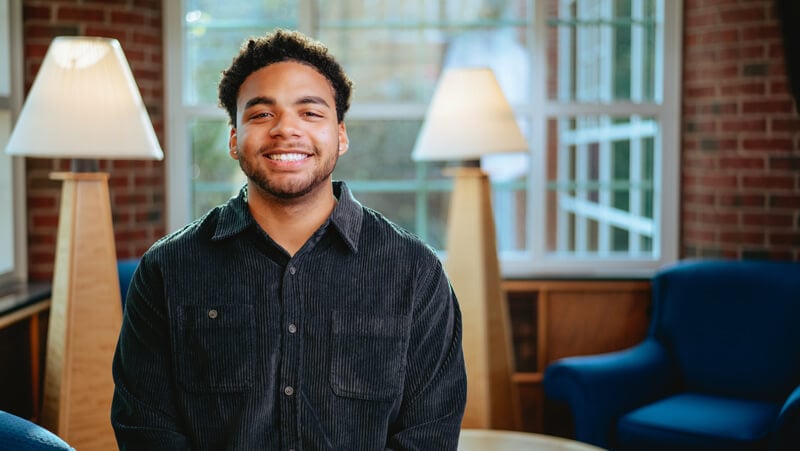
(741, 135)
(137, 187)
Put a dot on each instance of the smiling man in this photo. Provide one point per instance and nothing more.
(291, 317)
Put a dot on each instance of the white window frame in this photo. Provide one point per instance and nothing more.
(18, 250)
(536, 261)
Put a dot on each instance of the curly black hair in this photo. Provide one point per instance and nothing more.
(278, 46)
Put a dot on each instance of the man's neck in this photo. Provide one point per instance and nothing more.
(290, 223)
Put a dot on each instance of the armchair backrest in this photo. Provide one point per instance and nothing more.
(732, 327)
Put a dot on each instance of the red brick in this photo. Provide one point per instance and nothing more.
(126, 18)
(40, 221)
(739, 124)
(767, 144)
(742, 200)
(744, 14)
(42, 201)
(788, 201)
(743, 51)
(700, 235)
(742, 237)
(36, 12)
(768, 182)
(760, 33)
(744, 87)
(766, 106)
(784, 238)
(741, 163)
(785, 124)
(701, 199)
(767, 219)
(719, 37)
(80, 14)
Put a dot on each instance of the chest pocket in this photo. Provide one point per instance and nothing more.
(369, 355)
(214, 345)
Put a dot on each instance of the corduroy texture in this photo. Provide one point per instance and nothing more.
(354, 343)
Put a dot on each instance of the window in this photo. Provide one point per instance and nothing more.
(13, 260)
(594, 84)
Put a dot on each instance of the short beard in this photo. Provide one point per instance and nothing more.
(263, 184)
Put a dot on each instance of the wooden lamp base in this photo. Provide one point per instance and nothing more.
(85, 316)
(474, 271)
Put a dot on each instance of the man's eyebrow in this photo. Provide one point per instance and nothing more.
(260, 100)
(313, 100)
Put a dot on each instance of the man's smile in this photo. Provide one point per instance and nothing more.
(287, 156)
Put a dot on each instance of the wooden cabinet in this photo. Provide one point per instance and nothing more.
(551, 319)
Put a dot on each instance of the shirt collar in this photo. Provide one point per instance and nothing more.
(235, 217)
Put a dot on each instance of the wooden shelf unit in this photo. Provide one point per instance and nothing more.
(551, 319)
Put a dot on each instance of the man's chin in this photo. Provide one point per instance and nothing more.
(284, 193)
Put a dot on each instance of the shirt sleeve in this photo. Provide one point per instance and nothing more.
(436, 382)
(143, 410)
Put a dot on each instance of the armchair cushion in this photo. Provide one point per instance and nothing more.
(603, 387)
(19, 434)
(690, 421)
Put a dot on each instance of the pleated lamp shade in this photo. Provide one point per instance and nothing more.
(467, 118)
(84, 104)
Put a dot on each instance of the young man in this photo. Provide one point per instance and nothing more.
(291, 317)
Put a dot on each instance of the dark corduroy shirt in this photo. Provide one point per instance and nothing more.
(229, 343)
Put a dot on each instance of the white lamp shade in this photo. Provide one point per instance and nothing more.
(84, 103)
(467, 118)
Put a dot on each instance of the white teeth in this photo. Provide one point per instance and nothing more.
(287, 156)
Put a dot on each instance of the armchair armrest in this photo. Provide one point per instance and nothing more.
(600, 388)
(786, 433)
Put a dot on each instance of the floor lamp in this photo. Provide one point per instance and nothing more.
(84, 105)
(469, 117)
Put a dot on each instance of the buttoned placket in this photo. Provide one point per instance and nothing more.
(290, 343)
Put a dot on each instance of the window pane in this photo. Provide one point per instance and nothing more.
(379, 149)
(605, 50)
(509, 202)
(379, 170)
(404, 208)
(213, 33)
(215, 175)
(396, 50)
(600, 186)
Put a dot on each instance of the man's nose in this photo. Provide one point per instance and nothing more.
(285, 125)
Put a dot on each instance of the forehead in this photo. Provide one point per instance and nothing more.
(285, 80)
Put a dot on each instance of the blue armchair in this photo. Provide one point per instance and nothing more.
(126, 267)
(718, 370)
(19, 434)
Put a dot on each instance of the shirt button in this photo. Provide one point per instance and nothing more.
(213, 314)
(292, 270)
(292, 328)
(288, 391)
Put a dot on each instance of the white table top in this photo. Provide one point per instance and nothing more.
(495, 440)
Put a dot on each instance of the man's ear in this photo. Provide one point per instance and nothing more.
(344, 141)
(233, 147)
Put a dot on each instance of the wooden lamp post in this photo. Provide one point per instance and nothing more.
(84, 105)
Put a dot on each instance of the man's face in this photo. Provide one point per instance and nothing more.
(287, 138)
